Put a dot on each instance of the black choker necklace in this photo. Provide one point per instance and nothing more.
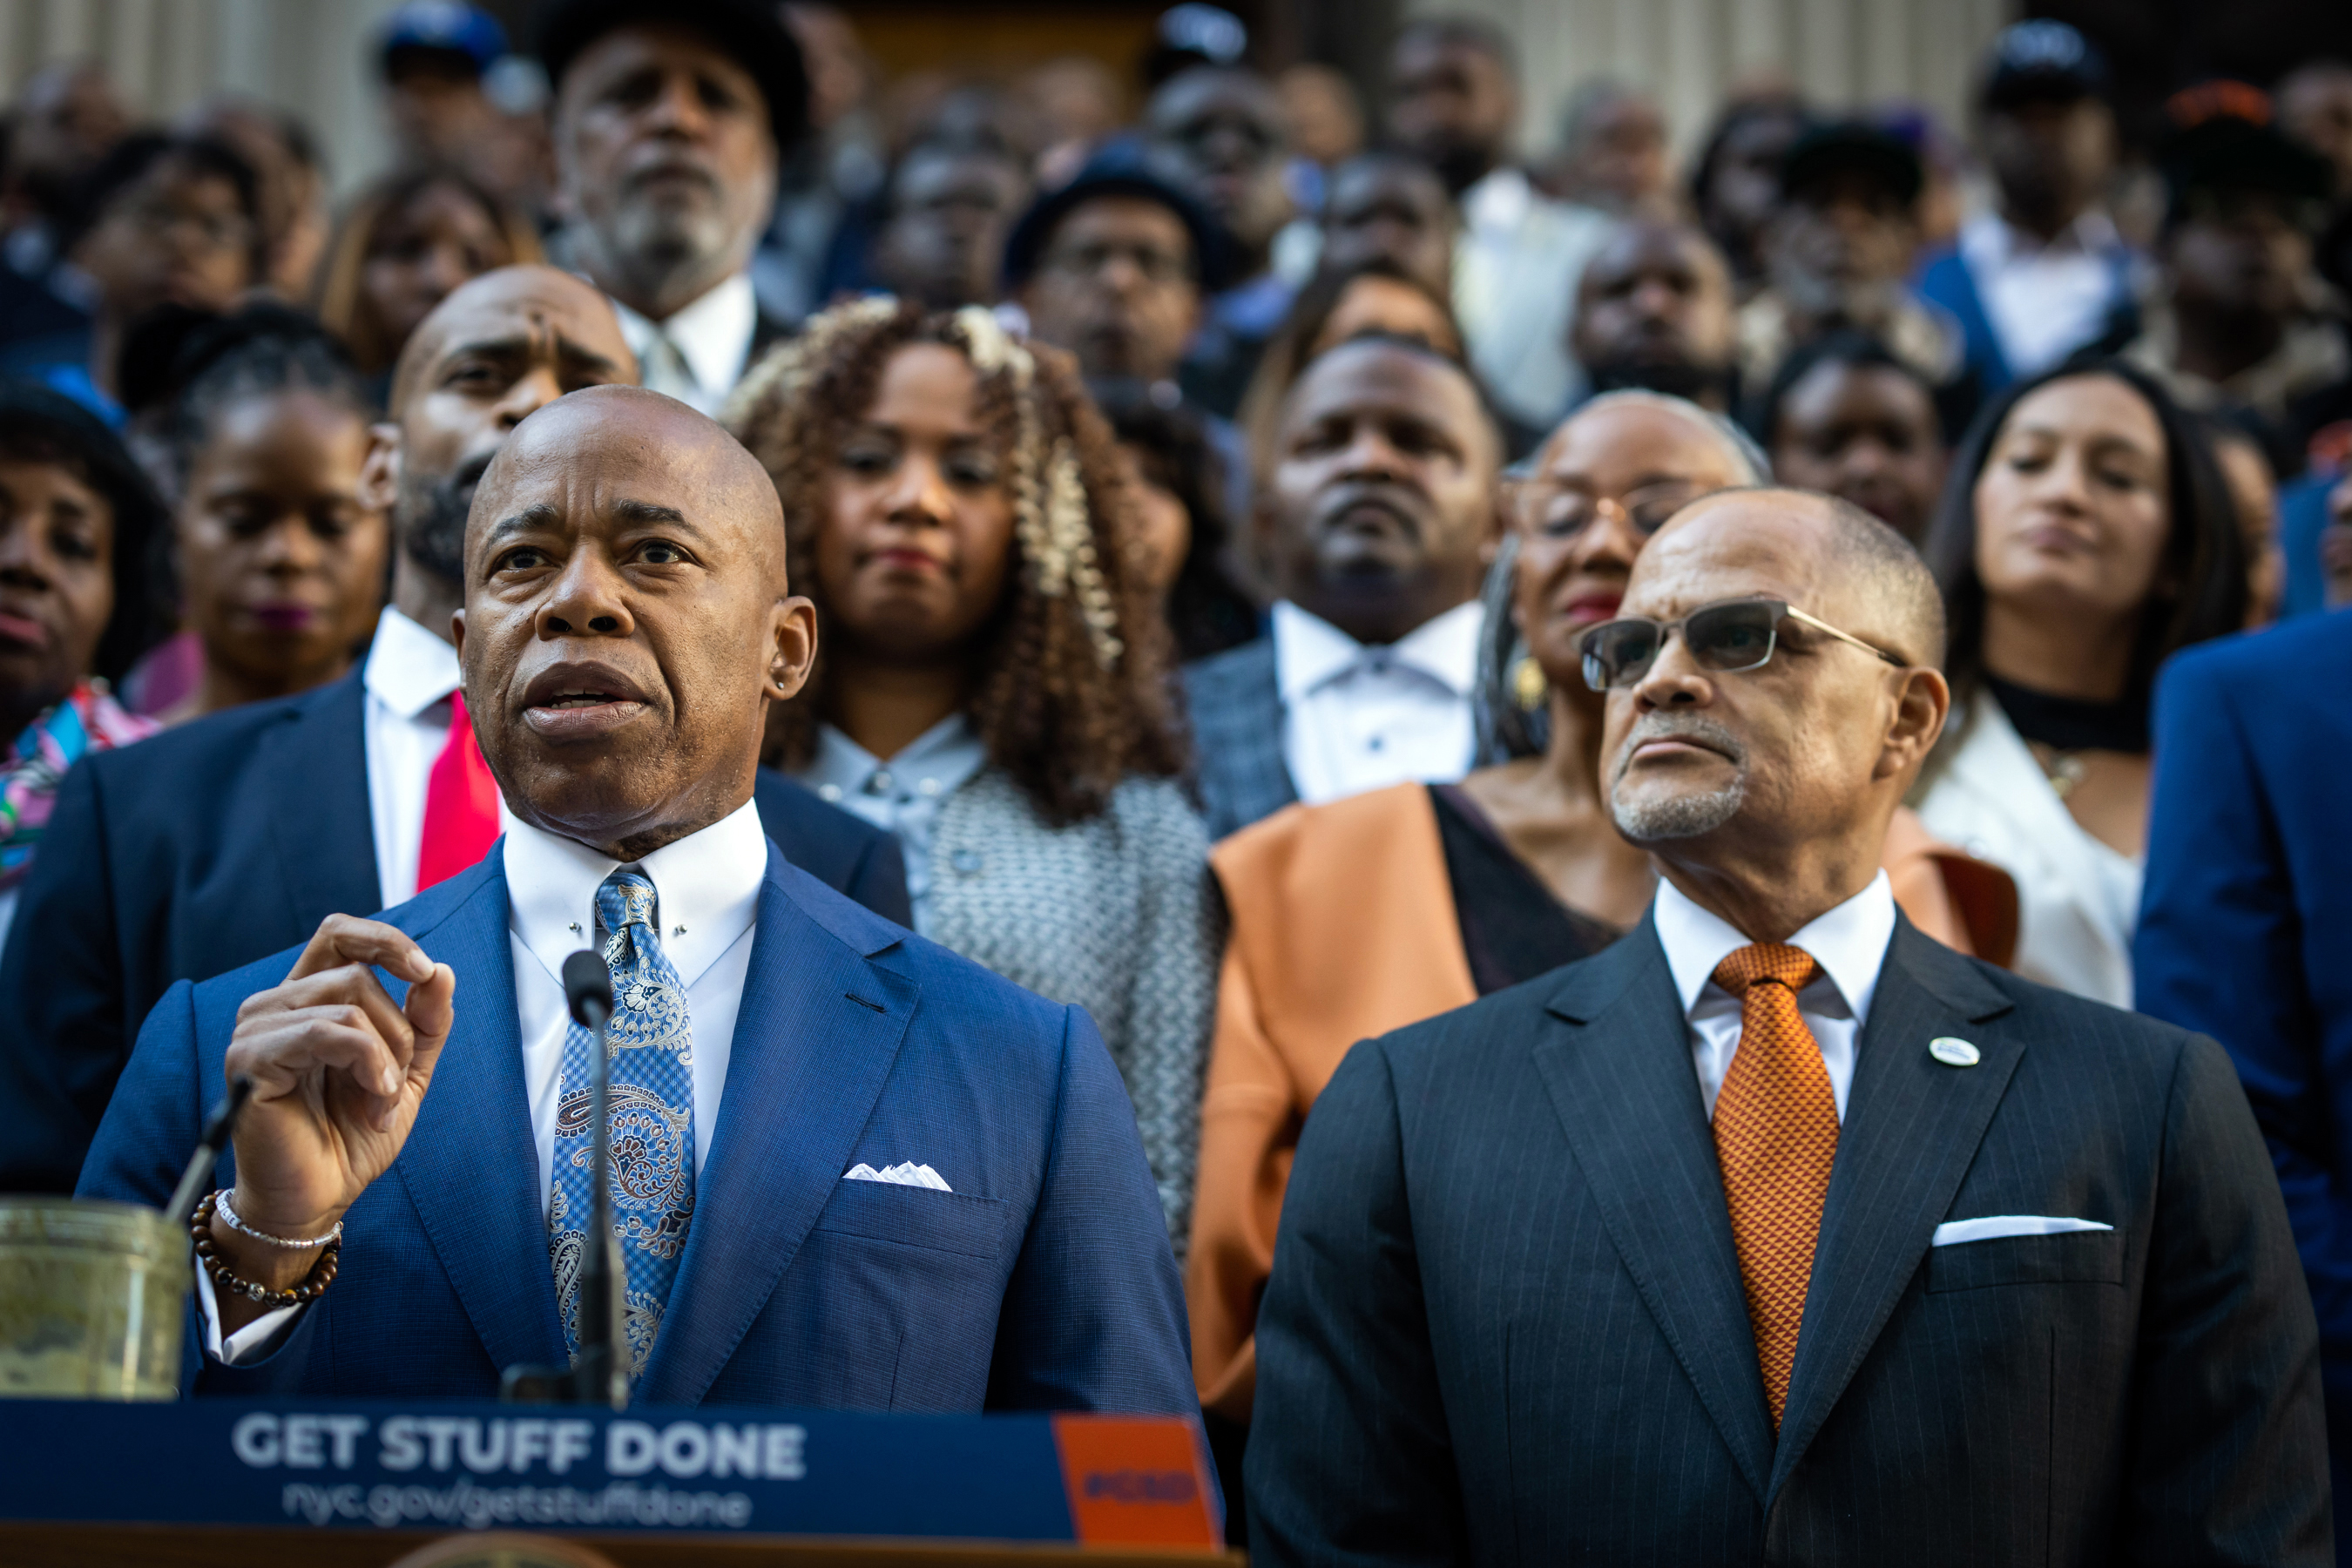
(2070, 724)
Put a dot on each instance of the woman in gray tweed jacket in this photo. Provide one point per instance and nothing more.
(992, 680)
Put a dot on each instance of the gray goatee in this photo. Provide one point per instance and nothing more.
(1653, 821)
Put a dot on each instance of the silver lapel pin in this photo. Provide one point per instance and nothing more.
(1953, 1053)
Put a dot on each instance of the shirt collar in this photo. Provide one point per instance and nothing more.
(408, 668)
(949, 751)
(1849, 943)
(708, 881)
(1500, 199)
(1990, 241)
(713, 334)
(1310, 652)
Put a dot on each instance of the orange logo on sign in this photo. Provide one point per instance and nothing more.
(1137, 1481)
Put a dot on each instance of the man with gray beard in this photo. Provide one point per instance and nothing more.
(254, 825)
(1778, 1231)
(670, 118)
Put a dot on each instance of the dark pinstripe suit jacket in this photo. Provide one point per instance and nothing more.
(1237, 735)
(1505, 1322)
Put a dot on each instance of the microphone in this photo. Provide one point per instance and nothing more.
(600, 1376)
(215, 1138)
(588, 989)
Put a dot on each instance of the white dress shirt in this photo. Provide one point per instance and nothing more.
(2078, 898)
(902, 795)
(1358, 717)
(706, 888)
(1516, 262)
(408, 678)
(1849, 945)
(2044, 299)
(698, 353)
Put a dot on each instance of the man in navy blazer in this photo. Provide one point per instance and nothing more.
(238, 834)
(2243, 921)
(626, 623)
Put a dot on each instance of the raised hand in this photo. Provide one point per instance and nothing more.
(339, 1071)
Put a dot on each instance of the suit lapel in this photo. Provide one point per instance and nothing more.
(315, 766)
(470, 1165)
(1911, 1131)
(1617, 1063)
(1257, 710)
(815, 1040)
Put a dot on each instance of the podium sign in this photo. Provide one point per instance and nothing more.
(369, 1465)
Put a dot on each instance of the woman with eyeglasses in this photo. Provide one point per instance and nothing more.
(161, 220)
(2085, 536)
(1362, 915)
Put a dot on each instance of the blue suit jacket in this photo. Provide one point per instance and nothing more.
(214, 844)
(2248, 903)
(1044, 1280)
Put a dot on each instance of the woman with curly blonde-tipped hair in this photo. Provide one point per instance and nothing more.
(992, 680)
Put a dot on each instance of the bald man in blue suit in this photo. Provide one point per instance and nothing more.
(862, 1173)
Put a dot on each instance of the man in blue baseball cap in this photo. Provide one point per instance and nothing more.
(434, 54)
(2044, 273)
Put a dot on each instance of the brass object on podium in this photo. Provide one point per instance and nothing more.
(505, 1551)
(93, 1300)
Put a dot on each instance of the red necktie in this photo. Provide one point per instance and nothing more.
(1776, 1136)
(461, 804)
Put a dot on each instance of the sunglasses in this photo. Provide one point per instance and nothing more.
(1724, 638)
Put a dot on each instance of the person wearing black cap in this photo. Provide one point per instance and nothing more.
(2237, 322)
(671, 120)
(80, 599)
(1112, 265)
(2045, 273)
(1839, 253)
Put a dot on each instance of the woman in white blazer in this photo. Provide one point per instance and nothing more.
(2085, 537)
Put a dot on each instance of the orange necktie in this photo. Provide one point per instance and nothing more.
(461, 804)
(1776, 1135)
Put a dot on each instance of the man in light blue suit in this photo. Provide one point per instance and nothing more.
(852, 1170)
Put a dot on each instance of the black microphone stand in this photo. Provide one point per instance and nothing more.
(600, 1376)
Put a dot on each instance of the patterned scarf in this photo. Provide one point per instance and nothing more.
(30, 771)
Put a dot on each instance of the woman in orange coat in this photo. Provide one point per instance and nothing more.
(1363, 915)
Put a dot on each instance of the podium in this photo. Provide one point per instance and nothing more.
(363, 1482)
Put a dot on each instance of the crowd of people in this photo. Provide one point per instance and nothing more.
(1261, 570)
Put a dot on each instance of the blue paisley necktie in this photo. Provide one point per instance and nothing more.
(652, 1040)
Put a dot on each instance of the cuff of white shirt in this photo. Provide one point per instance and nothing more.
(251, 1342)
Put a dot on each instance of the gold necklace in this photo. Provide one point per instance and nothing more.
(2065, 770)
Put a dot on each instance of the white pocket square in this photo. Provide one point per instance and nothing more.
(1952, 1232)
(906, 1176)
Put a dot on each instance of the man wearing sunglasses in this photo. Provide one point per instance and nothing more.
(1778, 1230)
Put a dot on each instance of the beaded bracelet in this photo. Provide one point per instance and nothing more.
(312, 1286)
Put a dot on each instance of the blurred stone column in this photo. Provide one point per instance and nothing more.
(1844, 54)
(312, 57)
